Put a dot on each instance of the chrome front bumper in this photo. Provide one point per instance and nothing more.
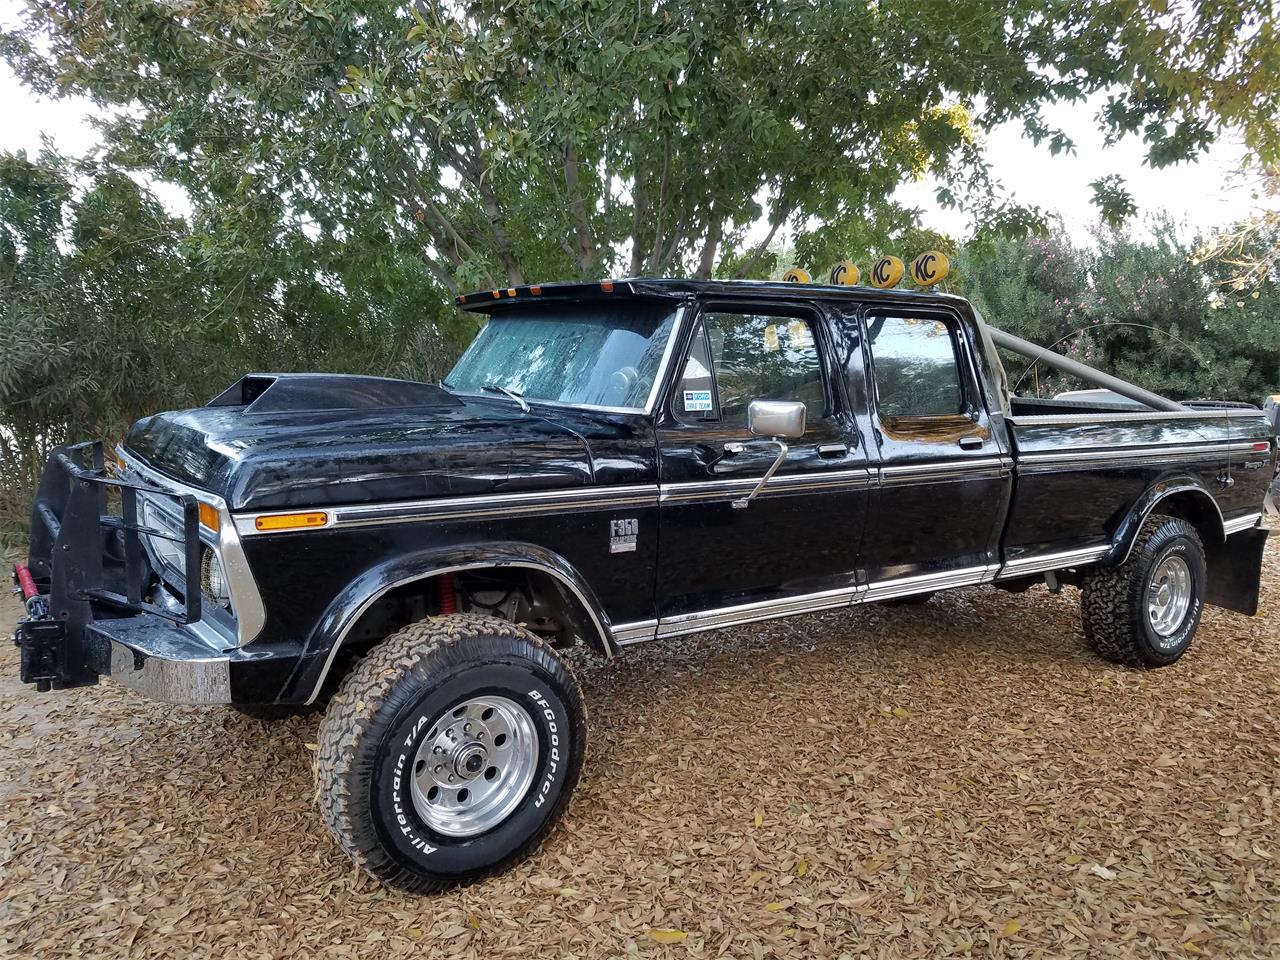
(160, 660)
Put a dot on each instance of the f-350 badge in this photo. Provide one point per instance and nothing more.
(622, 535)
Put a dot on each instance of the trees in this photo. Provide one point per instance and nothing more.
(500, 141)
(1142, 309)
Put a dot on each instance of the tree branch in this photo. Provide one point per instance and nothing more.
(779, 218)
(656, 252)
(707, 261)
(578, 212)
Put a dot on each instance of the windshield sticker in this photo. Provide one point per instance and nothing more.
(695, 400)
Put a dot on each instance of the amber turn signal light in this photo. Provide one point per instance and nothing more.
(209, 516)
(291, 521)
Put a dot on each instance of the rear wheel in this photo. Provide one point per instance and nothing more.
(450, 751)
(1145, 611)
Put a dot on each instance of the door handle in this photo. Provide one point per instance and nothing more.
(833, 450)
(971, 443)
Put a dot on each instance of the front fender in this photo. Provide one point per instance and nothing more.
(366, 588)
(1185, 487)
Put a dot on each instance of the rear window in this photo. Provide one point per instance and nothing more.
(915, 367)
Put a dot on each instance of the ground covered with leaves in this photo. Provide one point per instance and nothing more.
(958, 778)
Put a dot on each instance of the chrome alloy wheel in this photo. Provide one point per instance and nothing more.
(1169, 595)
(474, 766)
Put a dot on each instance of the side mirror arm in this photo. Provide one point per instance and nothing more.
(783, 450)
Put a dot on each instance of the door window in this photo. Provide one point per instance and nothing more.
(916, 370)
(739, 357)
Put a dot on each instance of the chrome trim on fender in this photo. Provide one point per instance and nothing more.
(1151, 455)
(246, 601)
(369, 601)
(1059, 560)
(1067, 419)
(489, 505)
(1247, 522)
(625, 634)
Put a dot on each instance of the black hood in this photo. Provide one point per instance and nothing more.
(296, 440)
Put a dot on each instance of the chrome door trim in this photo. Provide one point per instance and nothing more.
(1059, 560)
(625, 634)
(966, 469)
(928, 582)
(853, 479)
(745, 613)
(753, 612)
(1247, 522)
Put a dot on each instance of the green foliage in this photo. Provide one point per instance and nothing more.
(111, 308)
(499, 141)
(1141, 309)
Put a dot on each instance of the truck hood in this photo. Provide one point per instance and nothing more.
(300, 440)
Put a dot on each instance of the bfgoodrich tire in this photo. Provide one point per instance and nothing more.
(1144, 612)
(450, 751)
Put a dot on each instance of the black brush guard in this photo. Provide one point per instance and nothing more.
(91, 564)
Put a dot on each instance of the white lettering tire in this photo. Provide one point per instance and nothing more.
(394, 736)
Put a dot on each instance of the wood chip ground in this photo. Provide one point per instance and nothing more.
(962, 778)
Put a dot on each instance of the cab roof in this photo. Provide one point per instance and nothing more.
(670, 288)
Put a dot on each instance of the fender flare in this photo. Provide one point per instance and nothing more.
(1127, 532)
(371, 584)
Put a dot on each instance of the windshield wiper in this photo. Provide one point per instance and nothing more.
(495, 388)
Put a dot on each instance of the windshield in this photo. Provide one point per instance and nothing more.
(595, 354)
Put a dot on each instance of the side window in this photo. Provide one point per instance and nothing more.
(915, 367)
(752, 357)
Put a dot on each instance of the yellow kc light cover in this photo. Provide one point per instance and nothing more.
(887, 272)
(843, 273)
(796, 275)
(930, 267)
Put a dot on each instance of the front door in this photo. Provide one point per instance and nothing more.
(944, 478)
(795, 546)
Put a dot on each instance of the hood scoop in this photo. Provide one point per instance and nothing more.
(300, 392)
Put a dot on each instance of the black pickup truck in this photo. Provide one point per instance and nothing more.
(608, 463)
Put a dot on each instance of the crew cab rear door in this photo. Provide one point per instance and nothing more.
(944, 474)
(795, 546)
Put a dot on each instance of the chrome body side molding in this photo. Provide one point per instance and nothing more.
(1059, 560)
(486, 506)
(740, 614)
(1142, 456)
(1247, 522)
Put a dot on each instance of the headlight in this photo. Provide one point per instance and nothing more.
(169, 554)
(213, 581)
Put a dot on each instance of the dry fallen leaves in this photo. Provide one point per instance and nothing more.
(1022, 763)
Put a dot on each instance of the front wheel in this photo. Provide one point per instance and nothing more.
(1144, 612)
(450, 751)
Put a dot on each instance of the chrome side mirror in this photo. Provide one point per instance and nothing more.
(776, 418)
(773, 419)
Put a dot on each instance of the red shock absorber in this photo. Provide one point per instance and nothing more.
(26, 581)
(447, 598)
